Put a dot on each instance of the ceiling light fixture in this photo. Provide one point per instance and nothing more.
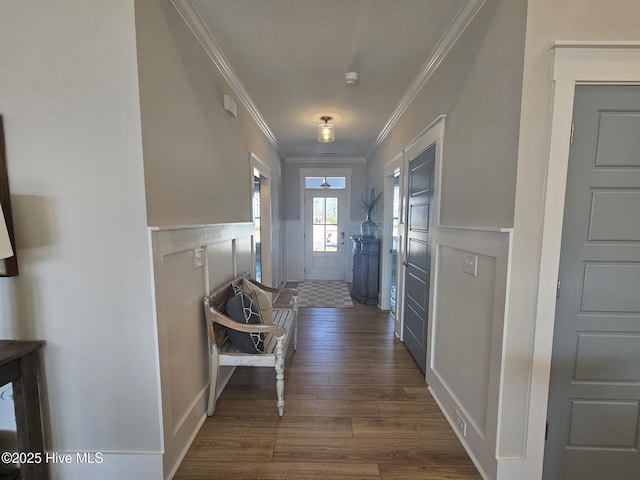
(326, 130)
(351, 78)
(324, 183)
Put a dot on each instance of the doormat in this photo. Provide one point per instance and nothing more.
(324, 295)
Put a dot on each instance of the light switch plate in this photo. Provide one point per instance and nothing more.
(198, 258)
(471, 264)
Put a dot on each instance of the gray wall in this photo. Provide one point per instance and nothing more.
(478, 87)
(196, 157)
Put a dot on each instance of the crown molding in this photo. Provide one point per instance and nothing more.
(458, 25)
(192, 18)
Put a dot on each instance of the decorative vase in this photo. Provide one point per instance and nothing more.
(369, 228)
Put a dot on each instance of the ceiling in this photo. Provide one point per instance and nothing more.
(286, 61)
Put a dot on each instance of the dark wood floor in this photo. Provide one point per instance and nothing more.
(357, 407)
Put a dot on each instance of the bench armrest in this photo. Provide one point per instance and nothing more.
(228, 322)
(292, 291)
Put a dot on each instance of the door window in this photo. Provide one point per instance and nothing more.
(325, 224)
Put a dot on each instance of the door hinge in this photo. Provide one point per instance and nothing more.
(558, 290)
(573, 131)
(546, 430)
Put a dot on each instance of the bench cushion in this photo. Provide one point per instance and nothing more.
(241, 308)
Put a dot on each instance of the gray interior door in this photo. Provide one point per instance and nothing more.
(418, 256)
(594, 401)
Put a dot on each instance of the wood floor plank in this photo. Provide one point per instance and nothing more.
(273, 426)
(460, 471)
(433, 428)
(354, 450)
(379, 378)
(345, 392)
(277, 471)
(411, 408)
(225, 448)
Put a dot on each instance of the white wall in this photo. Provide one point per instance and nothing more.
(69, 98)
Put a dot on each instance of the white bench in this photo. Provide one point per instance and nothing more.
(278, 336)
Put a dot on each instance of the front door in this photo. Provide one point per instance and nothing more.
(594, 400)
(324, 235)
(418, 254)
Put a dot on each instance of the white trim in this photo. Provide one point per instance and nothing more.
(256, 162)
(389, 170)
(573, 63)
(192, 18)
(456, 28)
(392, 165)
(266, 227)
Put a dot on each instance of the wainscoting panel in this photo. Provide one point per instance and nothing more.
(467, 322)
(179, 286)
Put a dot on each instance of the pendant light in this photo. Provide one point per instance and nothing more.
(326, 130)
(324, 183)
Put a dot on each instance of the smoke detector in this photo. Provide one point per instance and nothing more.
(351, 78)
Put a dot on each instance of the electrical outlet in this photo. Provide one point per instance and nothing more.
(198, 258)
(462, 425)
(471, 264)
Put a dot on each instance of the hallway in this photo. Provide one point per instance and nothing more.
(356, 408)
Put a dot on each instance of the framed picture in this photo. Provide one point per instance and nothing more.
(8, 266)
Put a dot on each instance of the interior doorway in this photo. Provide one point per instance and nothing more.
(256, 223)
(417, 279)
(261, 217)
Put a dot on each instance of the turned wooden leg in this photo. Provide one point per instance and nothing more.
(295, 323)
(213, 378)
(280, 375)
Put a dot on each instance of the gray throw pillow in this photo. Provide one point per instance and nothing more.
(241, 308)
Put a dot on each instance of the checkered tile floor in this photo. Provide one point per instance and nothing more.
(324, 294)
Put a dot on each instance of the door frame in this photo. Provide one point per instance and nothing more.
(389, 170)
(341, 249)
(255, 163)
(329, 172)
(606, 63)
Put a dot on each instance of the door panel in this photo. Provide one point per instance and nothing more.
(418, 258)
(594, 399)
(324, 235)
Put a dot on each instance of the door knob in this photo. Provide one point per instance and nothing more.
(405, 263)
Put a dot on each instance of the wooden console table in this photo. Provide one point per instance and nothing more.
(19, 365)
